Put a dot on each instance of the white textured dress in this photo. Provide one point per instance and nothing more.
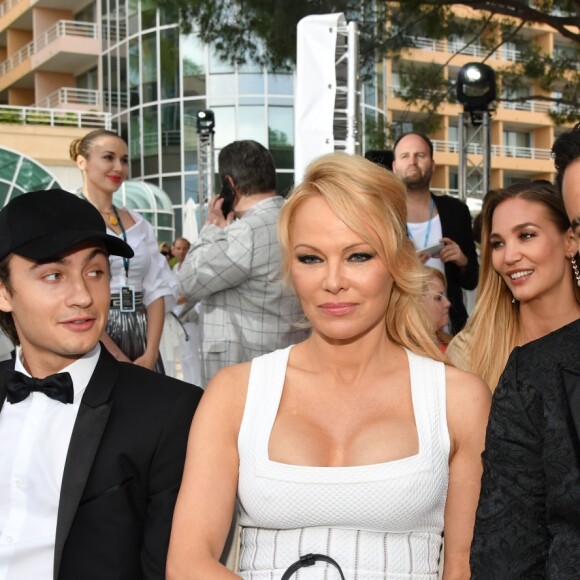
(382, 521)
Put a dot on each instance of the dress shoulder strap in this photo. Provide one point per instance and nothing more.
(267, 375)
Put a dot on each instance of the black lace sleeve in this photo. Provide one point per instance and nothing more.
(511, 536)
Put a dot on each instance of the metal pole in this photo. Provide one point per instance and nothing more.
(486, 178)
(462, 168)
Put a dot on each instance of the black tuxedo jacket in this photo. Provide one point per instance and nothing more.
(456, 224)
(528, 519)
(122, 473)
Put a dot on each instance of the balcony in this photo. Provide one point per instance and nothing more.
(71, 98)
(54, 117)
(496, 150)
(66, 47)
(461, 47)
(6, 6)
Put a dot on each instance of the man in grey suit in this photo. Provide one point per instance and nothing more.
(234, 266)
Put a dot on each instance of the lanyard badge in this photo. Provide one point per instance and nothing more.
(127, 295)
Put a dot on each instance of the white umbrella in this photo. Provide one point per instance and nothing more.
(190, 227)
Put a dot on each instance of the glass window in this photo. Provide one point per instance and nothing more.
(193, 52)
(170, 138)
(88, 80)
(106, 81)
(87, 14)
(280, 84)
(252, 124)
(123, 64)
(169, 57)
(149, 65)
(517, 139)
(225, 126)
(135, 145)
(190, 110)
(222, 90)
(133, 16)
(148, 14)
(250, 84)
(32, 177)
(134, 78)
(254, 100)
(168, 13)
(172, 187)
(284, 183)
(114, 79)
(150, 141)
(281, 136)
(191, 187)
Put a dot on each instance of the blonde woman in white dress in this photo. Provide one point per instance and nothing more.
(358, 443)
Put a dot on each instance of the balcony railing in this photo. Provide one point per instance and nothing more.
(54, 117)
(530, 105)
(461, 47)
(519, 152)
(58, 30)
(496, 150)
(70, 96)
(7, 6)
(65, 28)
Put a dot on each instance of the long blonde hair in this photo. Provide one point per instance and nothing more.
(492, 330)
(371, 201)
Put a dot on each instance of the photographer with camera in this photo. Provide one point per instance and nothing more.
(234, 266)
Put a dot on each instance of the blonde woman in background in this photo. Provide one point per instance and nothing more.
(142, 288)
(358, 443)
(527, 283)
(437, 304)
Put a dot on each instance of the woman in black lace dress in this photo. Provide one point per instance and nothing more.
(528, 519)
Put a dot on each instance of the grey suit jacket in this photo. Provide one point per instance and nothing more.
(246, 309)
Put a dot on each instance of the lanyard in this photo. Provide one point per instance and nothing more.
(124, 233)
(431, 211)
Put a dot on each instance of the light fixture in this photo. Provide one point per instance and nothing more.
(205, 122)
(476, 87)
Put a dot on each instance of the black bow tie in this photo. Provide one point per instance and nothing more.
(19, 386)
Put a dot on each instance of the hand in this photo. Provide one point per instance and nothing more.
(452, 253)
(423, 256)
(147, 360)
(215, 215)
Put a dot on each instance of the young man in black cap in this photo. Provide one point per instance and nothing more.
(91, 449)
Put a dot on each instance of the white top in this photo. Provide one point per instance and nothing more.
(34, 440)
(149, 271)
(418, 232)
(376, 521)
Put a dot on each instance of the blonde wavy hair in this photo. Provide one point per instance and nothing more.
(371, 201)
(492, 330)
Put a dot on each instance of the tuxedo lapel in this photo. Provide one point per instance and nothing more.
(571, 379)
(88, 430)
(4, 365)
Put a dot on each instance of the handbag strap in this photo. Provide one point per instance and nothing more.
(310, 560)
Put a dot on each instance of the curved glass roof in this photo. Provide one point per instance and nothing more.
(20, 174)
(152, 203)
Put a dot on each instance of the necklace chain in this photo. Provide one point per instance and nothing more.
(112, 219)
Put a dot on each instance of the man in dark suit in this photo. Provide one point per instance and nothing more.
(437, 218)
(91, 449)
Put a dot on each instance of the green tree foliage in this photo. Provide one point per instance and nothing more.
(264, 31)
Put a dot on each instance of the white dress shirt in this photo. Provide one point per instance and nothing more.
(34, 440)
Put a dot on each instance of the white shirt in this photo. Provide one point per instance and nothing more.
(419, 231)
(34, 440)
